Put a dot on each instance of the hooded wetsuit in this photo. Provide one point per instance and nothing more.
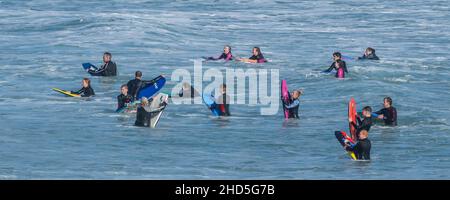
(84, 92)
(369, 57)
(123, 100)
(293, 108)
(339, 72)
(389, 114)
(260, 58)
(107, 69)
(224, 56)
(365, 124)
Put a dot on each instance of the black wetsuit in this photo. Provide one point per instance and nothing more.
(292, 108)
(133, 87)
(143, 116)
(224, 56)
(365, 124)
(224, 105)
(333, 66)
(188, 93)
(369, 57)
(122, 100)
(84, 92)
(390, 115)
(107, 69)
(259, 58)
(361, 149)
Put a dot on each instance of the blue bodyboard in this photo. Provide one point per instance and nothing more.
(152, 87)
(211, 104)
(89, 66)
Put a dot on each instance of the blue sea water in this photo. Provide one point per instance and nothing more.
(44, 135)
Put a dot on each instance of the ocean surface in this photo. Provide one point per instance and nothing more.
(44, 135)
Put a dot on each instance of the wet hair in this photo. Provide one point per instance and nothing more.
(389, 100)
(107, 54)
(337, 54)
(138, 74)
(228, 46)
(258, 50)
(371, 49)
(124, 86)
(87, 81)
(368, 109)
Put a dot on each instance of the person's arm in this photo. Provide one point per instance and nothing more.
(330, 68)
(293, 104)
(78, 92)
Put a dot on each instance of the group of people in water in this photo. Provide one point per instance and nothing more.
(129, 91)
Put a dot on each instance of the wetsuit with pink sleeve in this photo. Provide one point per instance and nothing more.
(260, 58)
(225, 56)
(340, 72)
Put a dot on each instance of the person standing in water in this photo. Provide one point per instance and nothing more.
(369, 54)
(257, 57)
(363, 124)
(224, 101)
(86, 90)
(124, 99)
(388, 113)
(135, 84)
(339, 65)
(108, 68)
(294, 104)
(362, 147)
(226, 55)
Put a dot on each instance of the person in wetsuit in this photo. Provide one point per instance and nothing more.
(86, 90)
(294, 104)
(364, 124)
(339, 65)
(108, 68)
(369, 54)
(388, 113)
(257, 57)
(226, 55)
(224, 101)
(362, 146)
(145, 113)
(188, 91)
(124, 99)
(135, 84)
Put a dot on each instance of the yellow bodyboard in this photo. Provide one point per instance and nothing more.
(68, 93)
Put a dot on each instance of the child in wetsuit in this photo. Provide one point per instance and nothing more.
(364, 124)
(226, 55)
(124, 99)
(369, 54)
(362, 147)
(388, 113)
(224, 101)
(86, 90)
(339, 65)
(294, 104)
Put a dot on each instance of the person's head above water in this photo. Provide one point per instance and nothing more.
(107, 57)
(144, 101)
(138, 74)
(387, 102)
(226, 49)
(296, 94)
(86, 82)
(369, 51)
(256, 51)
(124, 89)
(367, 111)
(363, 134)
(337, 56)
(223, 88)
